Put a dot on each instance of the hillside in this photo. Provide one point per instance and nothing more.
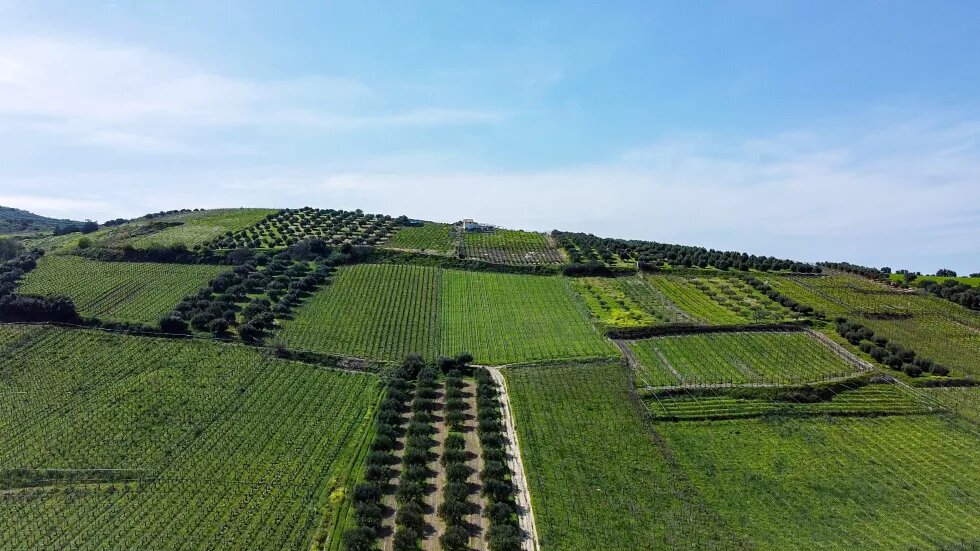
(19, 222)
(329, 379)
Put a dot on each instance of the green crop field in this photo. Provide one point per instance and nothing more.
(505, 318)
(876, 399)
(906, 482)
(122, 442)
(387, 311)
(933, 327)
(380, 312)
(128, 291)
(738, 358)
(431, 237)
(598, 479)
(511, 247)
(963, 400)
(719, 300)
(609, 304)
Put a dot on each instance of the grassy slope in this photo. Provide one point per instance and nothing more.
(695, 302)
(597, 478)
(233, 449)
(846, 483)
(200, 227)
(738, 358)
(381, 311)
(972, 281)
(131, 291)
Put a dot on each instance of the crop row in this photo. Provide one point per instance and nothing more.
(223, 445)
(387, 311)
(139, 292)
(737, 358)
(814, 482)
(510, 247)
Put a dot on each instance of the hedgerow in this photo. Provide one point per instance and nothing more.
(889, 353)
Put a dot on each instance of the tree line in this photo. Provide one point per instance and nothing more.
(586, 248)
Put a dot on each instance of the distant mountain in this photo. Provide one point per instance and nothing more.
(17, 221)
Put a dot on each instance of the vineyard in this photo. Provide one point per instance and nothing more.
(609, 304)
(719, 300)
(856, 400)
(597, 478)
(504, 318)
(382, 312)
(861, 483)
(133, 442)
(511, 247)
(935, 328)
(428, 238)
(129, 291)
(290, 226)
(387, 311)
(737, 358)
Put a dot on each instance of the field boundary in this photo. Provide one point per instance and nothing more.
(525, 510)
(692, 329)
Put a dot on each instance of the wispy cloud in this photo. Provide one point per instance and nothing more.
(133, 99)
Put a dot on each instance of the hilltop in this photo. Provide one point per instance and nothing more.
(17, 221)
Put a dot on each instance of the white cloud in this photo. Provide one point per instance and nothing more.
(98, 94)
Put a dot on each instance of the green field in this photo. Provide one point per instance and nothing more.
(874, 399)
(719, 300)
(128, 291)
(383, 312)
(432, 237)
(609, 304)
(380, 312)
(505, 318)
(962, 400)
(122, 442)
(598, 479)
(737, 358)
(511, 247)
(907, 482)
(933, 327)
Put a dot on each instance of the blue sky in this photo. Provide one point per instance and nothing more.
(817, 131)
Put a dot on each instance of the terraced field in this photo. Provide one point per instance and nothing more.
(505, 318)
(129, 291)
(511, 247)
(876, 399)
(130, 442)
(736, 358)
(719, 300)
(598, 479)
(431, 237)
(381, 312)
(934, 328)
(845, 483)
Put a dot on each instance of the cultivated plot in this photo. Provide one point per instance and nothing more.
(377, 311)
(511, 247)
(506, 318)
(597, 477)
(128, 291)
(132, 442)
(845, 483)
(430, 237)
(765, 357)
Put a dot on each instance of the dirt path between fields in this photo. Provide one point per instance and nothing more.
(436, 526)
(526, 513)
(479, 524)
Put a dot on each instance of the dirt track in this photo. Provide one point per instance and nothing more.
(517, 467)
